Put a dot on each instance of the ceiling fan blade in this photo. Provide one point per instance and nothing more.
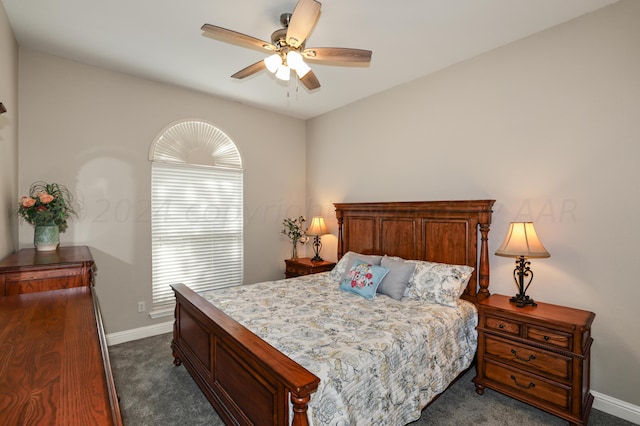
(337, 54)
(310, 81)
(302, 21)
(250, 70)
(234, 37)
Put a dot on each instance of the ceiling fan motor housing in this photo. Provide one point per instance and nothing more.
(279, 38)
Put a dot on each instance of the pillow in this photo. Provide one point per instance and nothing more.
(438, 282)
(342, 268)
(363, 279)
(396, 281)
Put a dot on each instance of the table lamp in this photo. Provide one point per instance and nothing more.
(317, 229)
(522, 242)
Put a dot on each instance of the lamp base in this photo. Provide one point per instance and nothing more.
(521, 301)
(317, 245)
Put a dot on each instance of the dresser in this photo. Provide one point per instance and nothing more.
(539, 355)
(30, 271)
(55, 367)
(304, 266)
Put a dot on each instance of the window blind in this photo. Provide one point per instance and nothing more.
(196, 228)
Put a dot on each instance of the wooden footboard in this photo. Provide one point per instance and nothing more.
(247, 380)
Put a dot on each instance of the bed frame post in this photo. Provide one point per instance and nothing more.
(340, 218)
(300, 407)
(174, 349)
(483, 273)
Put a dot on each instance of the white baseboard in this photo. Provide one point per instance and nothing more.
(139, 333)
(616, 407)
(602, 402)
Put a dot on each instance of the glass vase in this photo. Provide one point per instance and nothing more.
(294, 249)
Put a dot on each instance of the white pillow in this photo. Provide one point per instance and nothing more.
(438, 282)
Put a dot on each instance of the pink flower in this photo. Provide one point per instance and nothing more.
(27, 202)
(40, 208)
(45, 198)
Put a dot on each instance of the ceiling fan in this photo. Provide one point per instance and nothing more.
(288, 47)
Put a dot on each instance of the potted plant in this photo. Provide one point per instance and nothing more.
(293, 229)
(47, 208)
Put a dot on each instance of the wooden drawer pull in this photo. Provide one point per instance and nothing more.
(515, 354)
(530, 385)
(546, 337)
(501, 326)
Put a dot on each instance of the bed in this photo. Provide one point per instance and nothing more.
(248, 380)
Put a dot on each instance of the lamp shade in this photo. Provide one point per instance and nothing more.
(294, 59)
(317, 227)
(295, 62)
(522, 240)
(273, 62)
(283, 73)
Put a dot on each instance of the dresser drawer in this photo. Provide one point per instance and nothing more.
(549, 336)
(529, 384)
(543, 362)
(502, 325)
(44, 280)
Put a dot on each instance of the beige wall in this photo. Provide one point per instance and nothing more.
(548, 126)
(91, 129)
(8, 137)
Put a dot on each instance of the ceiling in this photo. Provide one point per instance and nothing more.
(161, 40)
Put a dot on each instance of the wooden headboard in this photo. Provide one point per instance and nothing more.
(437, 231)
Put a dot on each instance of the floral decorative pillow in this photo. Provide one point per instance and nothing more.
(340, 271)
(438, 282)
(363, 279)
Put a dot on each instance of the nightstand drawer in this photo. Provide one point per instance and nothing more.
(529, 384)
(305, 266)
(502, 325)
(537, 360)
(549, 336)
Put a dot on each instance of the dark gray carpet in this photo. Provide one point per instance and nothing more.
(155, 392)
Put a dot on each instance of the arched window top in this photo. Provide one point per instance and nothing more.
(195, 142)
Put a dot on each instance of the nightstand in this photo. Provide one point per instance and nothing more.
(539, 355)
(304, 266)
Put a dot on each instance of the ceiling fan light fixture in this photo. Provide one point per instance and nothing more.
(283, 73)
(294, 59)
(296, 62)
(302, 69)
(273, 62)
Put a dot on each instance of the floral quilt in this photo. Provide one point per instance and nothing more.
(380, 361)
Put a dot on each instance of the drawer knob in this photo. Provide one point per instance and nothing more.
(515, 354)
(546, 337)
(501, 326)
(530, 385)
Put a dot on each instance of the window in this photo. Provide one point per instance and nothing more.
(196, 217)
